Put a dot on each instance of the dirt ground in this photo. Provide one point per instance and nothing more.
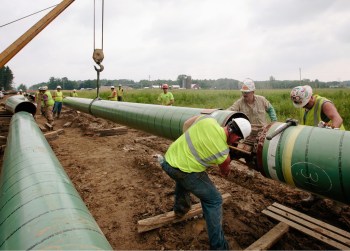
(121, 183)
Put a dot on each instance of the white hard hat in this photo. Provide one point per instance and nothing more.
(119, 85)
(45, 88)
(248, 85)
(301, 95)
(74, 89)
(20, 90)
(241, 125)
(58, 87)
(112, 87)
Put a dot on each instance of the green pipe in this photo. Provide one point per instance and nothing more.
(164, 121)
(19, 103)
(39, 206)
(311, 158)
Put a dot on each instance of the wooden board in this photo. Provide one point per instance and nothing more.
(270, 238)
(310, 226)
(170, 218)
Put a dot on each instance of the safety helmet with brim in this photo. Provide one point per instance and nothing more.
(240, 126)
(301, 95)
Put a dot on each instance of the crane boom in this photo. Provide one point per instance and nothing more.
(23, 40)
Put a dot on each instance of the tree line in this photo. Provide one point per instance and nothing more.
(6, 83)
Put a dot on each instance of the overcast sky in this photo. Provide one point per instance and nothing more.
(161, 39)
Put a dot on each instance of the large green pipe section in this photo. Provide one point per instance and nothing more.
(19, 103)
(164, 121)
(39, 206)
(311, 158)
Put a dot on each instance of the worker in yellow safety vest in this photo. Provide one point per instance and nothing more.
(47, 103)
(74, 93)
(204, 144)
(120, 93)
(58, 98)
(314, 109)
(166, 98)
(113, 96)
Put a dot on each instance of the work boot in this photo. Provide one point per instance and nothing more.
(58, 115)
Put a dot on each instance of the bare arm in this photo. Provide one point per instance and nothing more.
(189, 122)
(331, 112)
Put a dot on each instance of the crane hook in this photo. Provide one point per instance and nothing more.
(101, 68)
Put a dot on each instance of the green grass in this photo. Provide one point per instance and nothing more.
(224, 98)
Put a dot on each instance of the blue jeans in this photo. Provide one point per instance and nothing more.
(57, 107)
(202, 187)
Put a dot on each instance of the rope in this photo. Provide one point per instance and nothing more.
(28, 16)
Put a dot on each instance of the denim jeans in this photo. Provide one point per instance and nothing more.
(202, 187)
(57, 107)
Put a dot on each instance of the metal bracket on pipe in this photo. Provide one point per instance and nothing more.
(289, 122)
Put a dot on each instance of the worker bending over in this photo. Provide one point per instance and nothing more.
(47, 104)
(205, 144)
(314, 109)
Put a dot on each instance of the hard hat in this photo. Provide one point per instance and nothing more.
(74, 89)
(45, 88)
(119, 85)
(241, 126)
(112, 87)
(165, 86)
(248, 85)
(301, 95)
(58, 87)
(20, 90)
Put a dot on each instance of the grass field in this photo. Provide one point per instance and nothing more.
(224, 98)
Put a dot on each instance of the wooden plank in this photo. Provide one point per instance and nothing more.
(307, 231)
(112, 131)
(270, 238)
(68, 124)
(310, 225)
(48, 126)
(51, 135)
(313, 220)
(170, 218)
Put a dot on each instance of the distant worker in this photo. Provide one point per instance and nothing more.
(47, 104)
(254, 106)
(58, 98)
(120, 92)
(74, 93)
(318, 111)
(205, 144)
(166, 98)
(113, 96)
(20, 92)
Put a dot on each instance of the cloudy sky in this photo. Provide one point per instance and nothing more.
(161, 39)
